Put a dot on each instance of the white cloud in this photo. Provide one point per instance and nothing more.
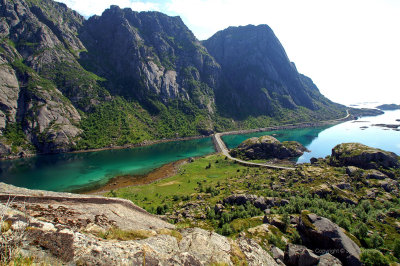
(96, 7)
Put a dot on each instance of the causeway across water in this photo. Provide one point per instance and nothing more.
(221, 147)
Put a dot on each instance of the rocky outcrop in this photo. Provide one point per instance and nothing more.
(322, 234)
(267, 147)
(258, 201)
(328, 260)
(359, 155)
(65, 228)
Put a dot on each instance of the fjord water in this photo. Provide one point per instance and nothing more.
(321, 140)
(72, 171)
(67, 172)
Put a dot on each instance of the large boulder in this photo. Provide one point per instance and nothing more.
(267, 147)
(322, 235)
(328, 260)
(356, 154)
(300, 255)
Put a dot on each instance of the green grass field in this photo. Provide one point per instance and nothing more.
(205, 174)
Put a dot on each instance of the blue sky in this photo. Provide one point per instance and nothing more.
(350, 48)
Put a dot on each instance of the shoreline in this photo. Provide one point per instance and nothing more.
(117, 182)
(152, 142)
(127, 146)
(170, 169)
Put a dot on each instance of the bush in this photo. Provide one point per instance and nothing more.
(373, 257)
(226, 230)
(361, 231)
(376, 240)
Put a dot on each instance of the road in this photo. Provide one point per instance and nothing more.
(221, 147)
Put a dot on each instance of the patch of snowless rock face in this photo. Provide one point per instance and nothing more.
(53, 234)
(324, 236)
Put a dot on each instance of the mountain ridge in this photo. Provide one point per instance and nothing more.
(125, 77)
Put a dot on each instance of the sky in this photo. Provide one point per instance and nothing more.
(350, 48)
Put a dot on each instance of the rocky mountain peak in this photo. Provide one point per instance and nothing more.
(258, 75)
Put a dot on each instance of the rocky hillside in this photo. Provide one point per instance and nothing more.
(125, 77)
(60, 228)
(342, 209)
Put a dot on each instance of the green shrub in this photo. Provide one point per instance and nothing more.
(226, 230)
(376, 240)
(360, 231)
(373, 257)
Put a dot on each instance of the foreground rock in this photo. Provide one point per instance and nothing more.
(322, 235)
(57, 239)
(267, 147)
(356, 154)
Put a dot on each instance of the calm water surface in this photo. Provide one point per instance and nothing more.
(321, 140)
(66, 172)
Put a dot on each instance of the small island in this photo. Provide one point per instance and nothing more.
(267, 147)
(389, 107)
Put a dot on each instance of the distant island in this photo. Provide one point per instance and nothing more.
(389, 107)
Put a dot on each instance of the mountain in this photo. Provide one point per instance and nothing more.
(125, 77)
(257, 75)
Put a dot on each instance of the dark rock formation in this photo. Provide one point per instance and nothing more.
(322, 234)
(267, 147)
(374, 174)
(356, 154)
(300, 255)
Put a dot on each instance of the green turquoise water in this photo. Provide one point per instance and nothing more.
(321, 140)
(68, 172)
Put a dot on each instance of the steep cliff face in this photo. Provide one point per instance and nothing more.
(257, 76)
(32, 108)
(150, 55)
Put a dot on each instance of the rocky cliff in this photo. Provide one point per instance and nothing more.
(257, 75)
(126, 77)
